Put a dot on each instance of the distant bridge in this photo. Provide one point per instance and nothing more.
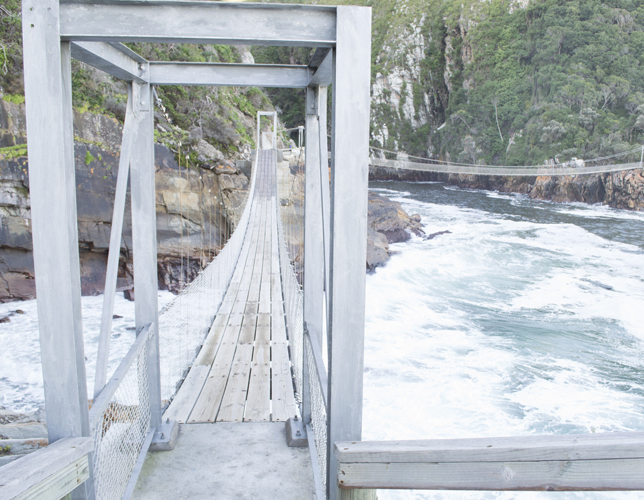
(402, 161)
(245, 340)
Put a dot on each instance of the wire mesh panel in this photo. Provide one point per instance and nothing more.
(185, 322)
(318, 409)
(290, 229)
(120, 431)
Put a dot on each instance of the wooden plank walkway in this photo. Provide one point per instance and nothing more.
(242, 372)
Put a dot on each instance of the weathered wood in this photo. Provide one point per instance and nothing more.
(247, 335)
(284, 406)
(560, 475)
(610, 445)
(19, 476)
(258, 405)
(187, 396)
(59, 484)
(234, 400)
(351, 100)
(358, 495)
(209, 401)
(209, 348)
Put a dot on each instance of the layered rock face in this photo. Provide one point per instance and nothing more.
(624, 190)
(387, 223)
(196, 207)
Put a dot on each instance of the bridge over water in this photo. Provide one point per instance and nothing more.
(273, 328)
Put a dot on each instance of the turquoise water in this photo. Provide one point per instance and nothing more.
(525, 319)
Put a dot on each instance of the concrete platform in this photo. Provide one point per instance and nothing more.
(234, 461)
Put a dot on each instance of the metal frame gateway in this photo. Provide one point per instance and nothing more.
(92, 31)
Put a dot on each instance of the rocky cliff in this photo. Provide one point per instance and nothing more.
(196, 206)
(624, 190)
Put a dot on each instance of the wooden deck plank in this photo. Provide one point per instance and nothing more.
(209, 401)
(243, 371)
(234, 400)
(258, 405)
(207, 353)
(185, 400)
(281, 384)
(249, 323)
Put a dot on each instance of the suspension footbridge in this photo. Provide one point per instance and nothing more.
(273, 328)
(613, 163)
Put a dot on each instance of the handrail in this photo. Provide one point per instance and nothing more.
(505, 171)
(105, 397)
(605, 461)
(49, 473)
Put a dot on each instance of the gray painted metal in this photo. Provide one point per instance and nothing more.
(129, 491)
(313, 230)
(53, 190)
(243, 75)
(198, 22)
(296, 436)
(506, 171)
(324, 184)
(19, 476)
(111, 274)
(317, 57)
(144, 237)
(320, 492)
(108, 58)
(102, 401)
(351, 99)
(323, 75)
(128, 52)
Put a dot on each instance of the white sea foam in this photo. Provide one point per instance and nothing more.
(505, 326)
(20, 371)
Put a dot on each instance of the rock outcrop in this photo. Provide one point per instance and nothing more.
(388, 223)
(196, 207)
(624, 190)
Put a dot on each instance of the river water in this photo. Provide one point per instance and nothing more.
(525, 319)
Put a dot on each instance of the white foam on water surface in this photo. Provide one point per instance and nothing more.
(21, 384)
(504, 326)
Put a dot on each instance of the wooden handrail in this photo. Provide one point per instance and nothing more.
(49, 473)
(591, 462)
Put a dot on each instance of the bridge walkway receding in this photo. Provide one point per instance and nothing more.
(242, 372)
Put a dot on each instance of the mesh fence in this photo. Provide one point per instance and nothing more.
(318, 410)
(291, 241)
(185, 322)
(290, 227)
(120, 430)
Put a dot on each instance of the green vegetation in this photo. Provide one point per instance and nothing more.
(11, 48)
(554, 79)
(12, 152)
(89, 158)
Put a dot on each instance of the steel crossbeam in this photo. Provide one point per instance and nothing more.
(198, 22)
(215, 74)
